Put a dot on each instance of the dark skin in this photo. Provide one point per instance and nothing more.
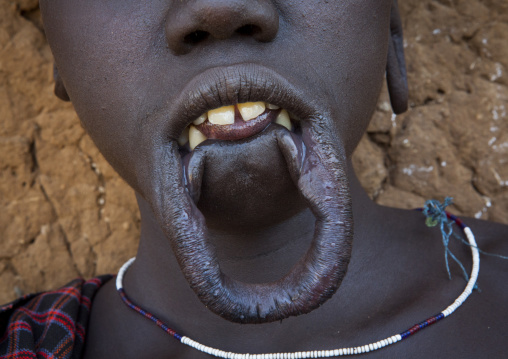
(137, 74)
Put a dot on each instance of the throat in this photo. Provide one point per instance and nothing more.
(264, 255)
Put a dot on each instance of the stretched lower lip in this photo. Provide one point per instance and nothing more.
(317, 168)
(240, 129)
(315, 160)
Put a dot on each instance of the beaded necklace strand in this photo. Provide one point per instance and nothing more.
(317, 353)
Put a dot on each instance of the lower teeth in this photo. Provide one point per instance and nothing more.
(284, 120)
(195, 137)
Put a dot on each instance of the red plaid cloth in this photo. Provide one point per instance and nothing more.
(48, 325)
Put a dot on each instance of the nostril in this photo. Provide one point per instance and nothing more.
(196, 37)
(194, 23)
(248, 30)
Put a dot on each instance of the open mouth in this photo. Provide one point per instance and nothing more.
(309, 152)
(234, 122)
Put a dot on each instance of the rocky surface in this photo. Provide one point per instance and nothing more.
(65, 213)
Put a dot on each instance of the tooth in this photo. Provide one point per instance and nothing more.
(251, 110)
(222, 116)
(283, 119)
(195, 137)
(200, 119)
(184, 137)
(272, 107)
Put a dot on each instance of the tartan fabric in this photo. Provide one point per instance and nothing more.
(48, 325)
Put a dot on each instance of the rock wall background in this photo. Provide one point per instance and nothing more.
(65, 213)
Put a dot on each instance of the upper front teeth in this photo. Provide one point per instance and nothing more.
(251, 110)
(224, 115)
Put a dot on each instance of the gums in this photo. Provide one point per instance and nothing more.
(239, 129)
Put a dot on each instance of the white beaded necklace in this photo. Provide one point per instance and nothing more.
(316, 353)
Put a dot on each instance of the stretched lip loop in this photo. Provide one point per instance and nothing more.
(230, 85)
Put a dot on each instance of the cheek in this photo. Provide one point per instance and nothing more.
(363, 81)
(101, 54)
(346, 57)
(104, 52)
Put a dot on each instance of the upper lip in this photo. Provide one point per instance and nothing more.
(222, 86)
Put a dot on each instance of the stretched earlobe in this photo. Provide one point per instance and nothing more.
(396, 75)
(60, 90)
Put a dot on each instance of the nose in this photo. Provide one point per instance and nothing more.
(192, 22)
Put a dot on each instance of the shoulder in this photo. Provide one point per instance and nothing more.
(483, 318)
(492, 242)
(476, 329)
(489, 235)
(51, 323)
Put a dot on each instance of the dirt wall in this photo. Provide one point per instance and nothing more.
(65, 213)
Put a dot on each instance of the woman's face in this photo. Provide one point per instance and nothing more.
(139, 73)
(130, 64)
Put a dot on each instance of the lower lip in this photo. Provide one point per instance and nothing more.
(240, 129)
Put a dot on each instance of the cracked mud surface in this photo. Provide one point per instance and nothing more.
(65, 213)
